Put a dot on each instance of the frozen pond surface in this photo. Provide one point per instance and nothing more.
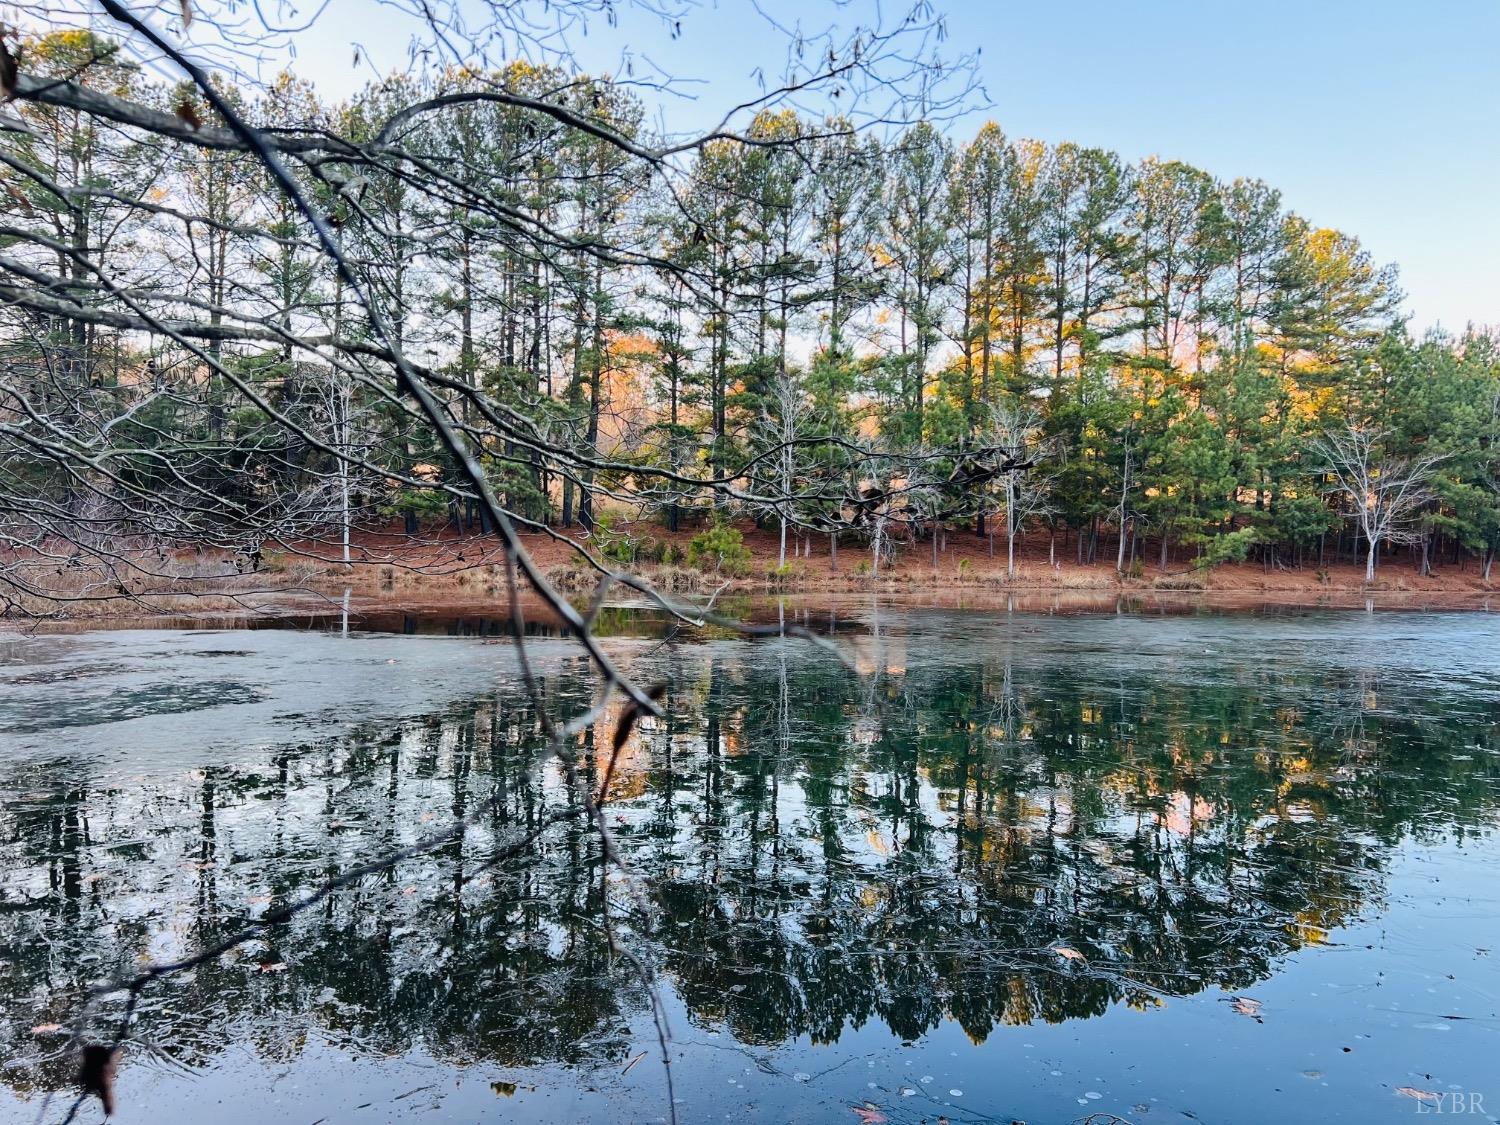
(1026, 868)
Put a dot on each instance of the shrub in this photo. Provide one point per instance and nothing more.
(720, 548)
(612, 541)
(1233, 547)
(786, 574)
(617, 544)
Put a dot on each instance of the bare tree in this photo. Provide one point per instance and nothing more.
(1384, 492)
(783, 422)
(1016, 427)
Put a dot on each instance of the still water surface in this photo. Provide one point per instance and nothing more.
(1016, 868)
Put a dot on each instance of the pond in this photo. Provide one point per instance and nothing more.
(1006, 867)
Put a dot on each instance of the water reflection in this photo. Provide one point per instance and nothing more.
(986, 829)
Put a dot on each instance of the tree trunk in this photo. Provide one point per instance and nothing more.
(1124, 501)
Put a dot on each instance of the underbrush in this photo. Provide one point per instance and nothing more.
(567, 578)
(44, 589)
(1188, 580)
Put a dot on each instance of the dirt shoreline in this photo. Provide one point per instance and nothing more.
(463, 576)
(394, 610)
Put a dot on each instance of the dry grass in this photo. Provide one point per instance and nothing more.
(1186, 580)
(146, 585)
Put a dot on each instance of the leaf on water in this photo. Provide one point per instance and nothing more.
(1068, 953)
(869, 1114)
(504, 1089)
(46, 1029)
(1420, 1095)
(1246, 1006)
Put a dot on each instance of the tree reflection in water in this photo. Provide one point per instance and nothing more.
(827, 851)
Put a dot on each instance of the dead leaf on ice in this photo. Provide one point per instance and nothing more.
(1246, 1006)
(1420, 1095)
(1068, 953)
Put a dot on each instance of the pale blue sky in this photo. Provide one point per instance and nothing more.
(1377, 117)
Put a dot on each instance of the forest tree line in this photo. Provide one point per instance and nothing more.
(882, 338)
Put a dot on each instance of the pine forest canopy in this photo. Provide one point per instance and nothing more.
(234, 313)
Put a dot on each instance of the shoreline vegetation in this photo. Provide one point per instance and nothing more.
(464, 574)
(1169, 380)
